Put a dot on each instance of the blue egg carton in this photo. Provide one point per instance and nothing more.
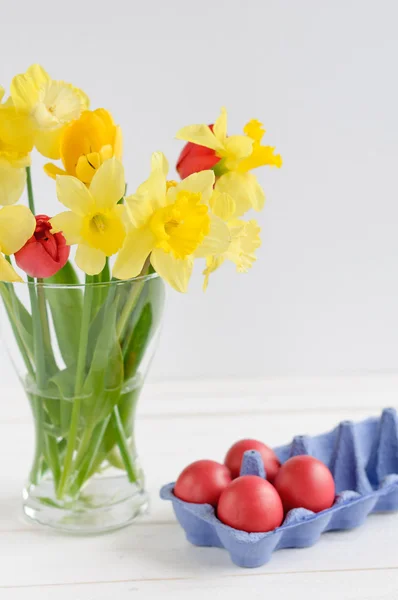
(363, 458)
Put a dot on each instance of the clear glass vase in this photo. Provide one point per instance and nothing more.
(82, 353)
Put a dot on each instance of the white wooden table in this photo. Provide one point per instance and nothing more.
(178, 423)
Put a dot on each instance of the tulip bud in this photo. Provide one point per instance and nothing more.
(45, 253)
(195, 158)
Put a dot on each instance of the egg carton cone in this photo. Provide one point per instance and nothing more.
(363, 458)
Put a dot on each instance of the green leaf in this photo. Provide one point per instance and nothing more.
(66, 310)
(144, 327)
(104, 380)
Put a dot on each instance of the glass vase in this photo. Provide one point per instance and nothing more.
(82, 353)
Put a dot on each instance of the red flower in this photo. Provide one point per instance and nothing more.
(195, 158)
(45, 253)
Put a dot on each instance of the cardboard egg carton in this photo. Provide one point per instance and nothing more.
(363, 458)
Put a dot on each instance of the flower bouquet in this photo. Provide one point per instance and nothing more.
(82, 344)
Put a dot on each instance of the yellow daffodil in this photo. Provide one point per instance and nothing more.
(95, 221)
(17, 225)
(12, 170)
(86, 143)
(38, 111)
(238, 155)
(245, 237)
(172, 224)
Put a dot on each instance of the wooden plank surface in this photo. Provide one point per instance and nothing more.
(178, 423)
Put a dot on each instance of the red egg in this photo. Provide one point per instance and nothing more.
(233, 459)
(251, 504)
(202, 482)
(305, 481)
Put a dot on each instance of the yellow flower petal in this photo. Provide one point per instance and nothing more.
(159, 161)
(7, 272)
(87, 166)
(222, 205)
(104, 231)
(38, 74)
(118, 143)
(139, 209)
(48, 142)
(70, 224)
(73, 194)
(244, 189)
(108, 184)
(154, 189)
(52, 170)
(217, 240)
(16, 129)
(197, 183)
(12, 183)
(2, 92)
(17, 225)
(212, 264)
(245, 241)
(176, 271)
(261, 156)
(24, 92)
(90, 260)
(255, 130)
(236, 147)
(136, 249)
(220, 126)
(199, 134)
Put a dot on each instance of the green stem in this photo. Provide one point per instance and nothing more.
(132, 300)
(80, 372)
(87, 460)
(123, 446)
(5, 292)
(49, 363)
(30, 190)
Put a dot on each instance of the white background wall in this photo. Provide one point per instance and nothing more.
(322, 75)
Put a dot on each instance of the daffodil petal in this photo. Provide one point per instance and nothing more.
(73, 194)
(108, 184)
(24, 92)
(136, 249)
(38, 74)
(154, 189)
(199, 134)
(17, 225)
(12, 183)
(197, 183)
(2, 92)
(139, 209)
(212, 264)
(16, 129)
(52, 170)
(159, 161)
(7, 272)
(90, 260)
(176, 271)
(48, 142)
(217, 240)
(220, 126)
(244, 189)
(70, 224)
(245, 241)
(118, 143)
(238, 146)
(222, 205)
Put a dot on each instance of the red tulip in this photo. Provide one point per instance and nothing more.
(195, 158)
(45, 253)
